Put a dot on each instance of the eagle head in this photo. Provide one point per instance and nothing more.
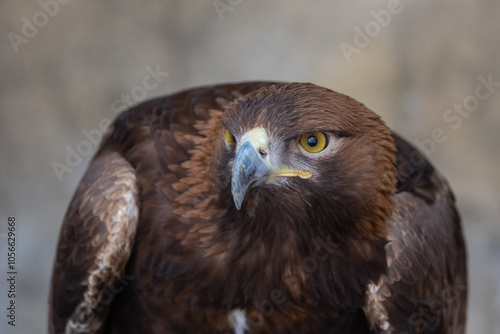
(311, 154)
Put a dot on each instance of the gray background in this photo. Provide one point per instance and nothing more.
(64, 79)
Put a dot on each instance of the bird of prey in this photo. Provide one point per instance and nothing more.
(258, 207)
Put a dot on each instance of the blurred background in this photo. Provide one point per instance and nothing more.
(431, 69)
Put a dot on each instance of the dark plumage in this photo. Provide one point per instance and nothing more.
(259, 207)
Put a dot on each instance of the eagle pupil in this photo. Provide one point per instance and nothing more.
(312, 141)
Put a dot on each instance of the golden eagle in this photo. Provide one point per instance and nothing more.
(258, 207)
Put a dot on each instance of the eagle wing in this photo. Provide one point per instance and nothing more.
(424, 290)
(94, 245)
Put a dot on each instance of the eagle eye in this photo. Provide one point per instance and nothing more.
(231, 141)
(313, 142)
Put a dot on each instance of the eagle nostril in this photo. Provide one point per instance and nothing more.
(262, 152)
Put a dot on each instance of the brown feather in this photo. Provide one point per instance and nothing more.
(301, 256)
(94, 245)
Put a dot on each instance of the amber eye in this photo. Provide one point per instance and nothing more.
(313, 142)
(231, 141)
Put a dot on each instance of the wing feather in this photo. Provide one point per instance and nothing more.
(425, 288)
(94, 245)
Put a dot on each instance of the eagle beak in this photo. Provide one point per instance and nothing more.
(249, 170)
(252, 165)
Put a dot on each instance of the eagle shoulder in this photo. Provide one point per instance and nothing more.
(425, 288)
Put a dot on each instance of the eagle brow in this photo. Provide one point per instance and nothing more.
(334, 132)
